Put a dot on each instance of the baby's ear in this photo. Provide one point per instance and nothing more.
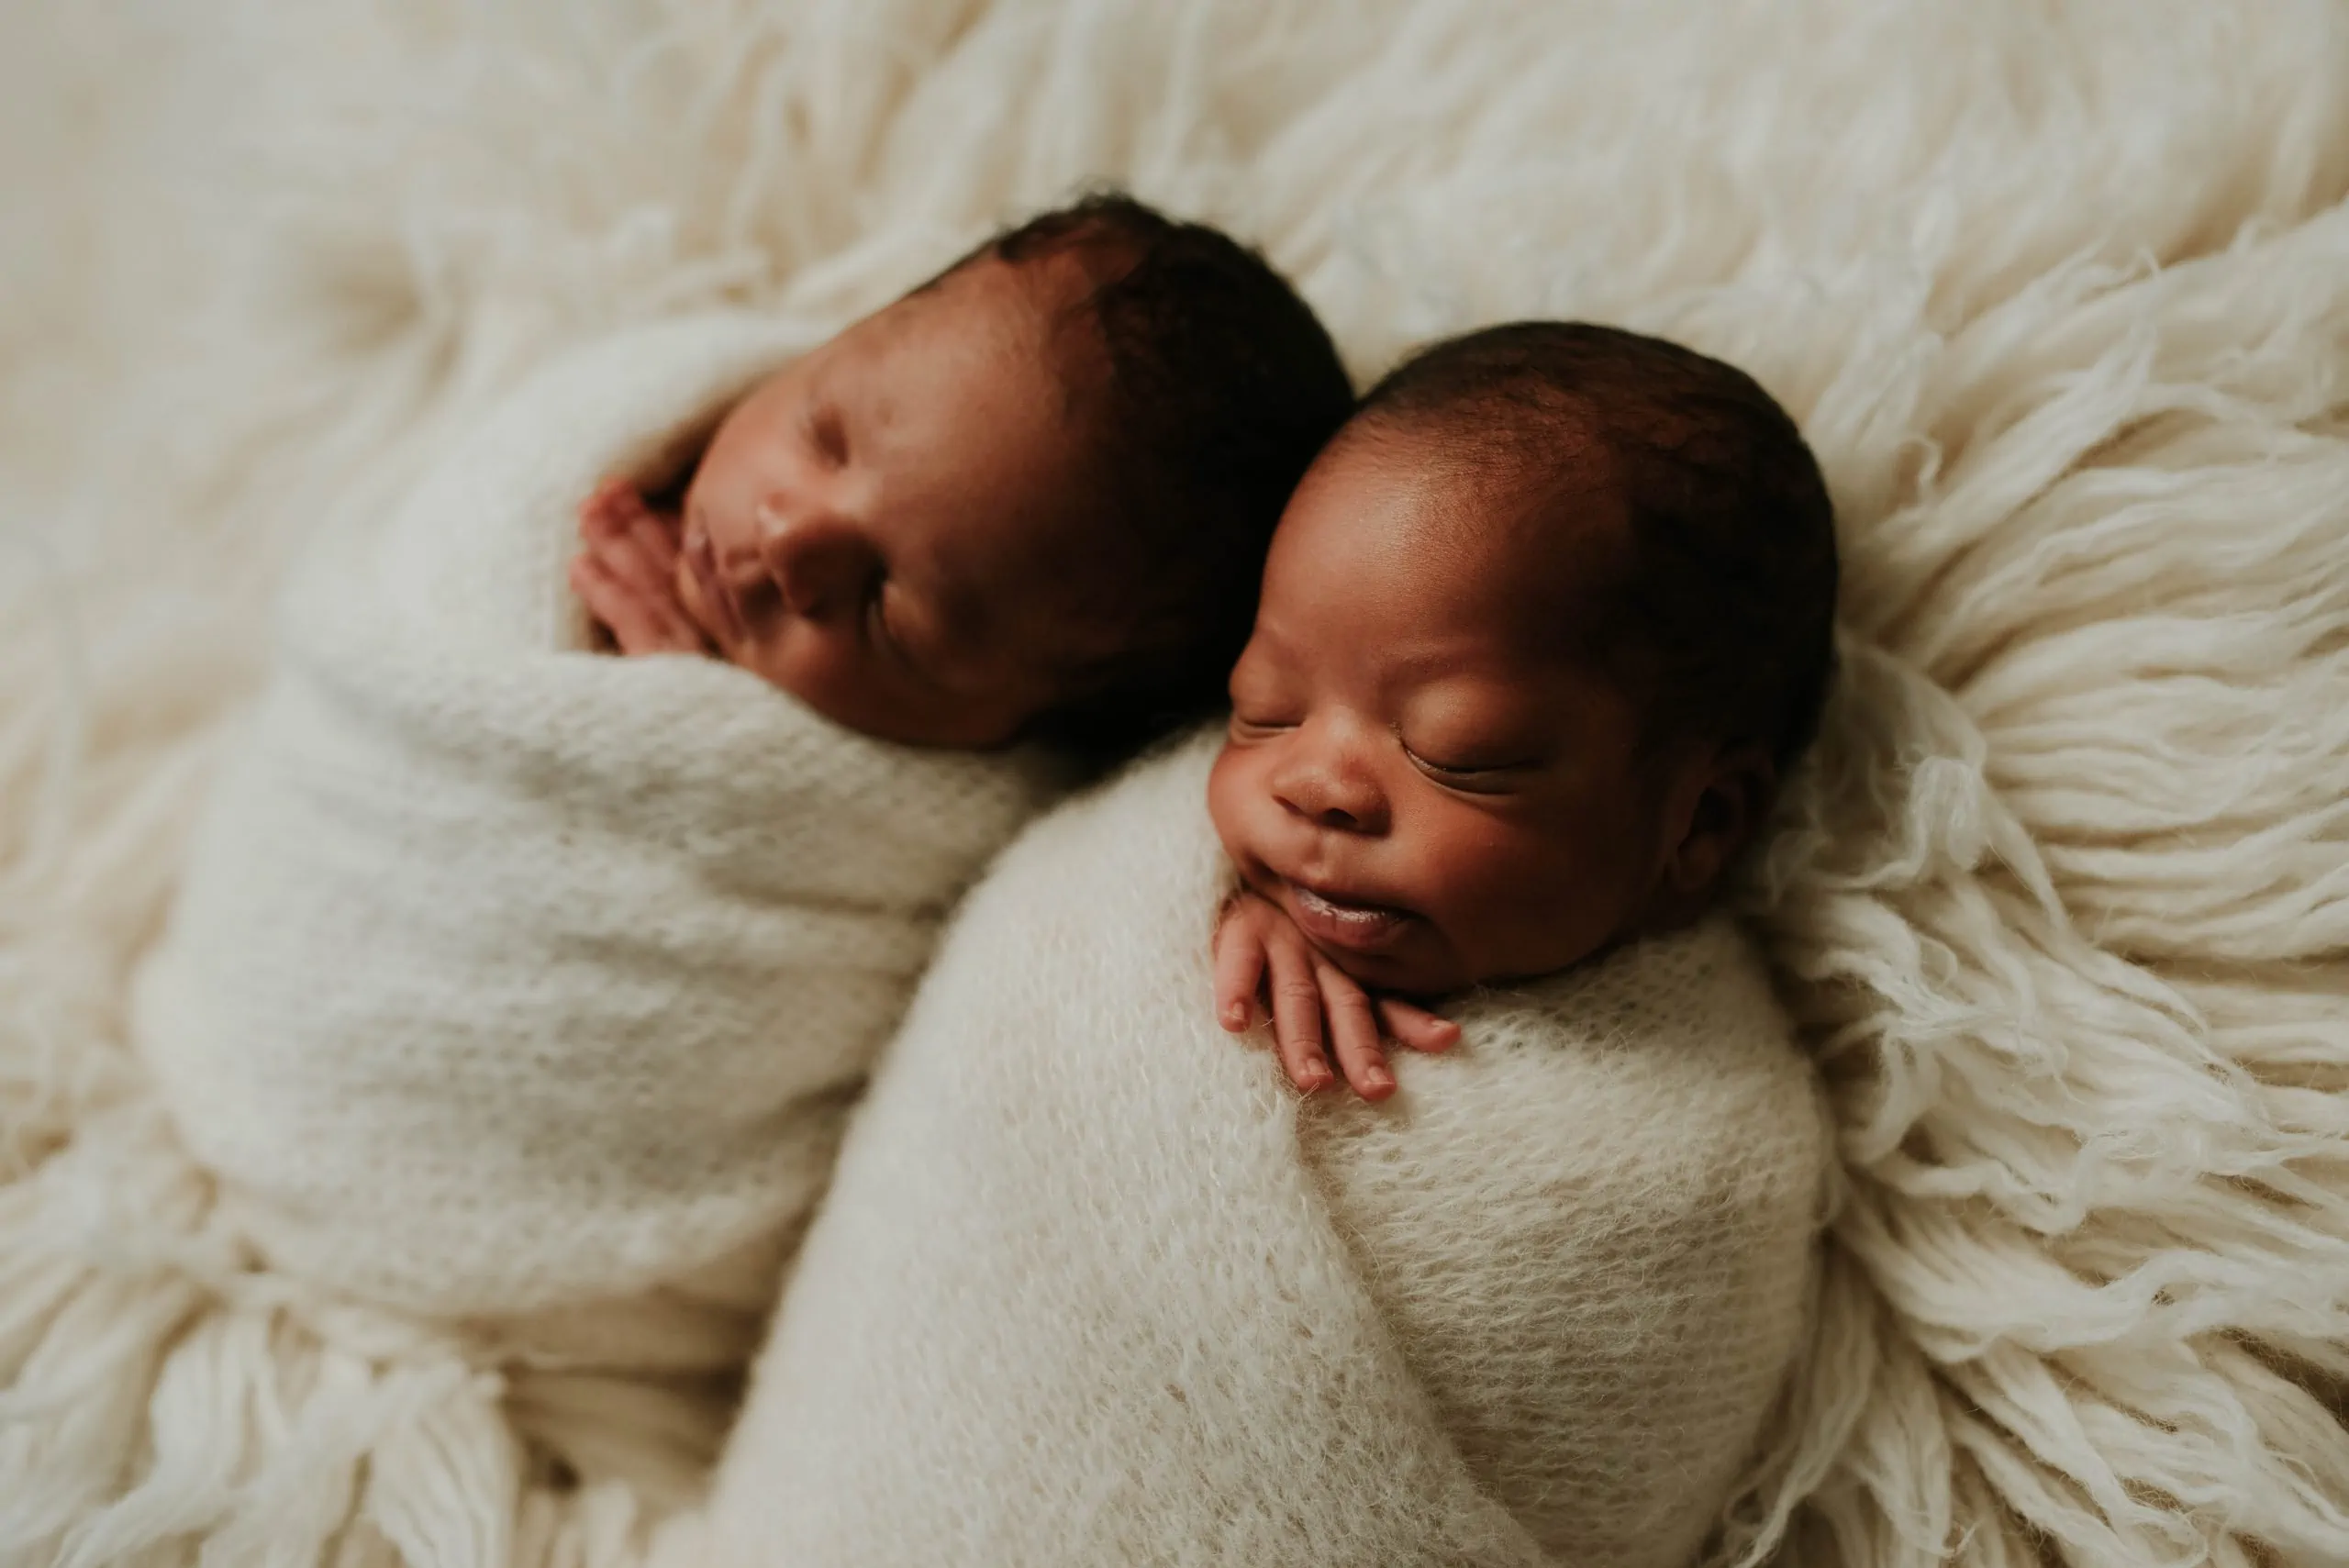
(1715, 808)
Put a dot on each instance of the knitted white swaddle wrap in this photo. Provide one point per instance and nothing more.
(1091, 1286)
(508, 975)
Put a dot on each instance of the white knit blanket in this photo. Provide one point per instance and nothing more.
(1094, 1286)
(507, 975)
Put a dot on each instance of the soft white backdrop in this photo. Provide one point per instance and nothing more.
(2061, 296)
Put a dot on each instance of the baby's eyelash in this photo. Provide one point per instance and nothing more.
(827, 435)
(1465, 773)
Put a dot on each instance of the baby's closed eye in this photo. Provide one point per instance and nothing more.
(827, 434)
(1474, 775)
(1247, 727)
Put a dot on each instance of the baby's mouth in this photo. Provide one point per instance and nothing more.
(1342, 922)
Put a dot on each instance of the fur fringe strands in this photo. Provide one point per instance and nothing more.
(2060, 294)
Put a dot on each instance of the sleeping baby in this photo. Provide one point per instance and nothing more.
(522, 989)
(1540, 632)
(1026, 501)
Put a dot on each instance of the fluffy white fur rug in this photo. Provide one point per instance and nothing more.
(2061, 296)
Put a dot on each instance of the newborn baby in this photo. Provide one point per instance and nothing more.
(1537, 635)
(1540, 632)
(522, 992)
(1024, 501)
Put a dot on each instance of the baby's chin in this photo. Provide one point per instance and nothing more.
(1392, 975)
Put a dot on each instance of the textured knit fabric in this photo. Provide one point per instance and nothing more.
(507, 974)
(2059, 294)
(1094, 1286)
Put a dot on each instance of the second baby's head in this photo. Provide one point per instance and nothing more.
(1031, 498)
(1540, 632)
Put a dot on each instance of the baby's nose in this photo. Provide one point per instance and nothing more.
(820, 562)
(1333, 793)
(1338, 819)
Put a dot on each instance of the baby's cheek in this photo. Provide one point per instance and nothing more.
(1228, 787)
(1492, 893)
(1577, 899)
(1471, 857)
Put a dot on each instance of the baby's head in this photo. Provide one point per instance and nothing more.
(1031, 498)
(1540, 632)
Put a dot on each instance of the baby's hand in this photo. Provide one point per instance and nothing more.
(1259, 952)
(628, 575)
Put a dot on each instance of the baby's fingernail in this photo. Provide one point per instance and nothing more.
(1235, 1016)
(1378, 1080)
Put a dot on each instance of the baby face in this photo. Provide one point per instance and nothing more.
(885, 528)
(1419, 773)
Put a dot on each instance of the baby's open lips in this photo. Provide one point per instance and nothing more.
(1332, 916)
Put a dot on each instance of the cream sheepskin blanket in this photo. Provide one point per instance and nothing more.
(505, 975)
(1094, 1286)
(2059, 291)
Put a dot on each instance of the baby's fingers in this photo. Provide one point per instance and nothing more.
(635, 556)
(616, 522)
(1353, 1028)
(656, 541)
(1297, 1015)
(608, 509)
(638, 622)
(1239, 974)
(1414, 1027)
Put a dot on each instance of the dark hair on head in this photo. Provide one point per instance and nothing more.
(1724, 614)
(1222, 386)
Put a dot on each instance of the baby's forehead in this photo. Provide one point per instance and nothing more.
(1037, 297)
(1537, 507)
(1465, 545)
(1511, 447)
(1009, 303)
